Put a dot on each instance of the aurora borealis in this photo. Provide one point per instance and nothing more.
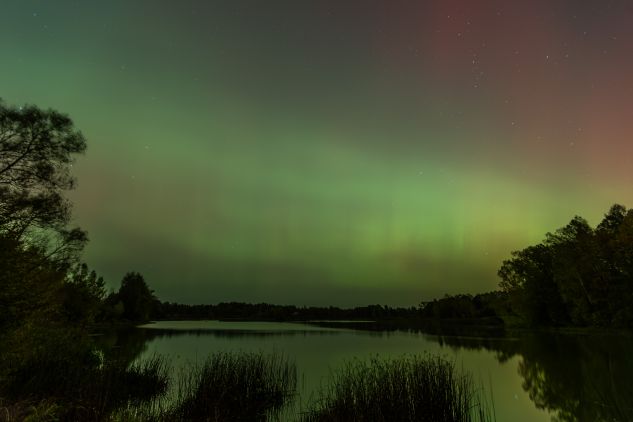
(329, 152)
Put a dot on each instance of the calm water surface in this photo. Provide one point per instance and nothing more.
(532, 377)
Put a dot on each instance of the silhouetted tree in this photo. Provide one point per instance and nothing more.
(574, 271)
(36, 246)
(620, 295)
(612, 219)
(30, 287)
(37, 149)
(84, 293)
(136, 297)
(527, 277)
(578, 275)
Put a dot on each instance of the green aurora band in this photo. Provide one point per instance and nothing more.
(319, 153)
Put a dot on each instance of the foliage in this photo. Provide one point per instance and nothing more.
(83, 293)
(137, 298)
(29, 411)
(490, 306)
(30, 285)
(82, 387)
(37, 149)
(577, 276)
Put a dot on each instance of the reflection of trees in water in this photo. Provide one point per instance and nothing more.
(578, 377)
(127, 344)
(234, 333)
(586, 378)
(123, 345)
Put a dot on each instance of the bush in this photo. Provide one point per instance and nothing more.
(82, 386)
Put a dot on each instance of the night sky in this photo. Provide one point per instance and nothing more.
(329, 152)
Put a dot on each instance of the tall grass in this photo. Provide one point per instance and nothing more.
(411, 388)
(235, 386)
(225, 387)
(29, 411)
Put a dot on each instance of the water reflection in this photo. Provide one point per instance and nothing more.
(572, 377)
(577, 377)
(236, 329)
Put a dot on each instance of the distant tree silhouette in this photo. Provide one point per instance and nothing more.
(464, 306)
(136, 297)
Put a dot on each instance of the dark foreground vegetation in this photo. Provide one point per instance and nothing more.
(249, 387)
(225, 387)
(255, 387)
(48, 390)
(49, 300)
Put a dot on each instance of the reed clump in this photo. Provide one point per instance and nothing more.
(410, 388)
(234, 386)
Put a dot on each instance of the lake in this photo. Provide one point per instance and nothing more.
(531, 376)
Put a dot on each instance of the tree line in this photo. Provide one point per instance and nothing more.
(271, 312)
(578, 276)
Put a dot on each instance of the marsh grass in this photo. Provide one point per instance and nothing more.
(230, 386)
(411, 388)
(235, 386)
